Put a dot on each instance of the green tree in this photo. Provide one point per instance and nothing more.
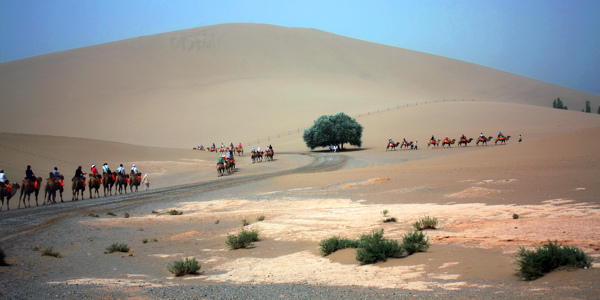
(333, 130)
(599, 110)
(557, 103)
(588, 107)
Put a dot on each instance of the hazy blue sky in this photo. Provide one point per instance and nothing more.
(557, 41)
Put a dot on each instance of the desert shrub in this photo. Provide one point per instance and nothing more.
(243, 240)
(116, 247)
(93, 215)
(336, 243)
(261, 218)
(174, 212)
(415, 241)
(515, 216)
(2, 257)
(144, 241)
(534, 264)
(182, 267)
(125, 215)
(154, 212)
(245, 222)
(217, 222)
(49, 252)
(390, 219)
(374, 248)
(385, 212)
(426, 223)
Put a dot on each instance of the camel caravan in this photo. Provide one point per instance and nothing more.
(447, 143)
(54, 185)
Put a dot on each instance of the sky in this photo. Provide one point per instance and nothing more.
(556, 41)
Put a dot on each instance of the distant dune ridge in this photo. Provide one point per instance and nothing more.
(238, 83)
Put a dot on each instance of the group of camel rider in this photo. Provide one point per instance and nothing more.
(268, 149)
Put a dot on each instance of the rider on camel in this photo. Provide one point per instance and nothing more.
(106, 169)
(57, 175)
(3, 180)
(500, 135)
(79, 174)
(481, 137)
(391, 142)
(29, 174)
(121, 170)
(94, 170)
(463, 137)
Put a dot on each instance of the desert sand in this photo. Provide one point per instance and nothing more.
(261, 85)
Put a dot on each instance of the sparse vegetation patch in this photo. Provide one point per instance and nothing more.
(49, 252)
(2, 257)
(515, 216)
(244, 239)
(182, 267)
(93, 215)
(174, 212)
(374, 248)
(336, 243)
(390, 219)
(534, 264)
(414, 242)
(110, 213)
(261, 218)
(125, 215)
(426, 223)
(116, 247)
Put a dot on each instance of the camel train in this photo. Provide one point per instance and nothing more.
(462, 142)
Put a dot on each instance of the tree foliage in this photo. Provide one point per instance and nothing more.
(557, 103)
(333, 130)
(588, 107)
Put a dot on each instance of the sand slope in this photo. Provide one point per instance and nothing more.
(237, 83)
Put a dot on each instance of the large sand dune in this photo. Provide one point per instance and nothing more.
(239, 83)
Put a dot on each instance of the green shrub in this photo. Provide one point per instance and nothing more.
(426, 223)
(515, 216)
(374, 248)
(245, 222)
(2, 257)
(116, 247)
(125, 215)
(336, 243)
(110, 213)
(174, 212)
(182, 267)
(534, 264)
(93, 215)
(154, 212)
(217, 222)
(413, 242)
(243, 240)
(144, 241)
(261, 218)
(385, 212)
(390, 219)
(48, 252)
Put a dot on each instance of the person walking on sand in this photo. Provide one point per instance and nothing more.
(146, 181)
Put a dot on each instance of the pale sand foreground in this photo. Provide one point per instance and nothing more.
(473, 192)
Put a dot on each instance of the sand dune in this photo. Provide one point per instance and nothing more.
(237, 82)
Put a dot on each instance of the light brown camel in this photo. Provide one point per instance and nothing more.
(465, 141)
(28, 188)
(502, 140)
(220, 170)
(121, 184)
(448, 142)
(78, 187)
(94, 184)
(52, 186)
(392, 145)
(108, 180)
(433, 143)
(134, 180)
(483, 140)
(240, 151)
(8, 191)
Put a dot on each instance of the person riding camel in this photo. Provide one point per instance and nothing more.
(404, 141)
(446, 140)
(391, 142)
(240, 146)
(56, 176)
(500, 136)
(253, 150)
(222, 160)
(3, 180)
(105, 168)
(79, 174)
(270, 147)
(30, 176)
(481, 137)
(121, 170)
(94, 171)
(463, 137)
(134, 170)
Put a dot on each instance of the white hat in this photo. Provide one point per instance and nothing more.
(93, 165)
(134, 165)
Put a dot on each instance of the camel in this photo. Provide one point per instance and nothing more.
(240, 151)
(392, 145)
(406, 145)
(502, 140)
(52, 186)
(448, 142)
(28, 188)
(134, 181)
(121, 184)
(269, 155)
(94, 184)
(108, 180)
(465, 141)
(220, 170)
(256, 156)
(5, 193)
(78, 187)
(433, 142)
(483, 140)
